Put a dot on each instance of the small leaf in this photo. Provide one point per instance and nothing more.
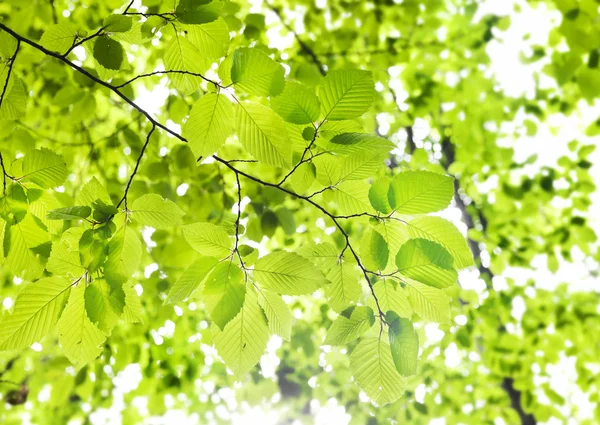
(297, 104)
(224, 293)
(154, 211)
(59, 37)
(191, 279)
(109, 53)
(288, 273)
(253, 72)
(429, 303)
(124, 255)
(350, 325)
(70, 213)
(404, 343)
(198, 11)
(277, 312)
(427, 262)
(117, 23)
(344, 289)
(378, 195)
(208, 239)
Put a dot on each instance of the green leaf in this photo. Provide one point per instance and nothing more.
(253, 72)
(208, 239)
(211, 39)
(323, 255)
(352, 198)
(109, 53)
(36, 311)
(374, 251)
(427, 262)
(344, 289)
(181, 55)
(124, 254)
(64, 258)
(92, 191)
(191, 279)
(378, 195)
(103, 304)
(244, 339)
(278, 314)
(362, 165)
(288, 273)
(209, 124)
(351, 143)
(224, 293)
(23, 238)
(70, 213)
(44, 168)
(440, 230)
(420, 192)
(264, 135)
(117, 23)
(350, 325)
(392, 296)
(303, 177)
(79, 338)
(429, 303)
(14, 103)
(346, 94)
(198, 11)
(59, 37)
(297, 104)
(404, 343)
(374, 371)
(328, 169)
(154, 211)
(132, 312)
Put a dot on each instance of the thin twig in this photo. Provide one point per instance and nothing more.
(11, 63)
(150, 74)
(83, 40)
(135, 169)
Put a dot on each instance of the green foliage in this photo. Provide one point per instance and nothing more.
(197, 189)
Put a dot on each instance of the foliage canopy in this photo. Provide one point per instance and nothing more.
(191, 206)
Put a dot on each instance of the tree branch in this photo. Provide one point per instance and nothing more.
(156, 123)
(194, 74)
(305, 48)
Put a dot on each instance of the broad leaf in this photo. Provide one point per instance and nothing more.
(191, 279)
(244, 339)
(36, 311)
(208, 239)
(263, 134)
(404, 343)
(253, 72)
(374, 372)
(44, 168)
(288, 273)
(440, 230)
(350, 325)
(224, 292)
(277, 312)
(79, 338)
(109, 53)
(181, 55)
(70, 213)
(297, 104)
(124, 254)
(420, 192)
(59, 37)
(211, 39)
(392, 296)
(209, 124)
(346, 94)
(154, 211)
(429, 303)
(344, 289)
(427, 262)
